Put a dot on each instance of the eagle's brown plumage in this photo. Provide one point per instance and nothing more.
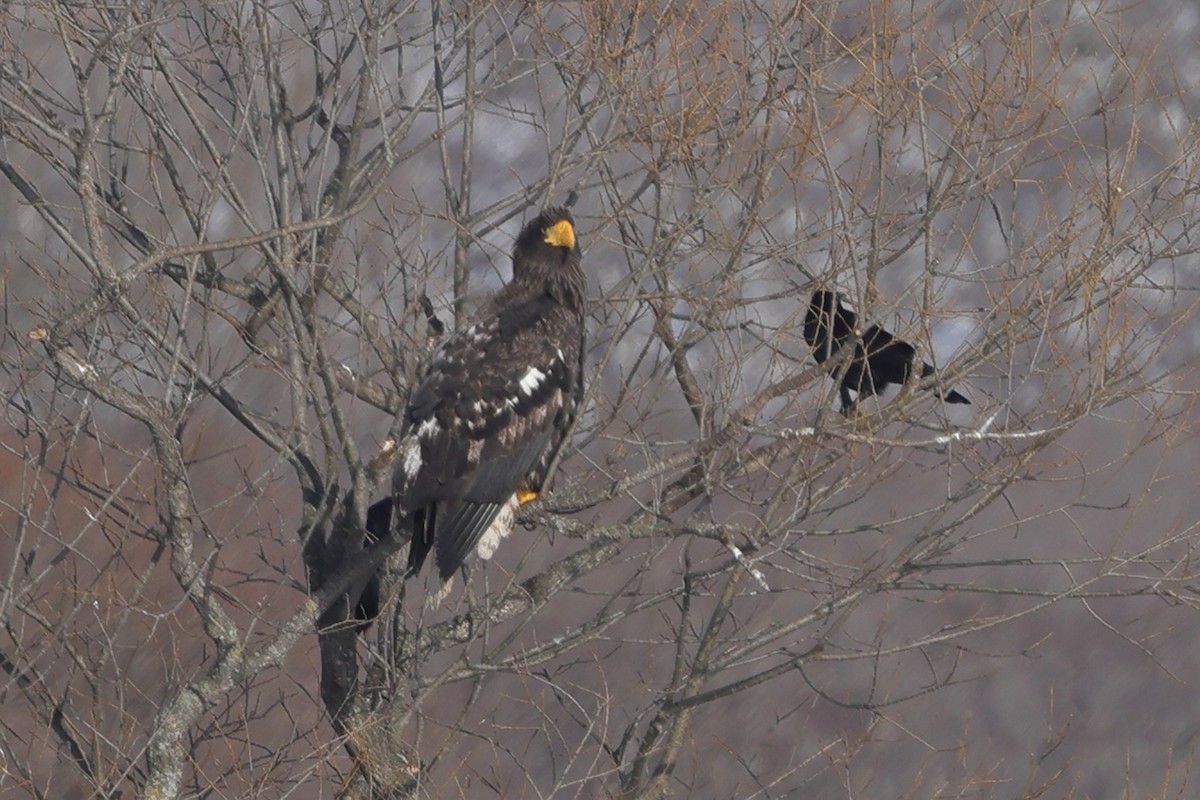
(494, 406)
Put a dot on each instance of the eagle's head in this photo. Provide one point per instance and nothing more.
(545, 246)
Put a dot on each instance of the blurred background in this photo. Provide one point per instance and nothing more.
(232, 233)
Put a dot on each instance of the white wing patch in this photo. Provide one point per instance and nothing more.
(533, 377)
(410, 456)
(427, 428)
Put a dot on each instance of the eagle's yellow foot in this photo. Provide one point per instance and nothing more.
(524, 496)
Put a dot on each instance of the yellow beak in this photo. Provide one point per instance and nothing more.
(561, 234)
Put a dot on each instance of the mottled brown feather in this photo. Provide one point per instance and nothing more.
(495, 403)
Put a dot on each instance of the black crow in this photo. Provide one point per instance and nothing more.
(879, 358)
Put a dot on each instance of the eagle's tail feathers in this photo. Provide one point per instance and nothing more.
(460, 533)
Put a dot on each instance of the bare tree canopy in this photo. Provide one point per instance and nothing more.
(235, 234)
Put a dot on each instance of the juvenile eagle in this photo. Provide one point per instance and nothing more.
(879, 358)
(494, 406)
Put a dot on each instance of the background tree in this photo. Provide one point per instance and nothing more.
(235, 232)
